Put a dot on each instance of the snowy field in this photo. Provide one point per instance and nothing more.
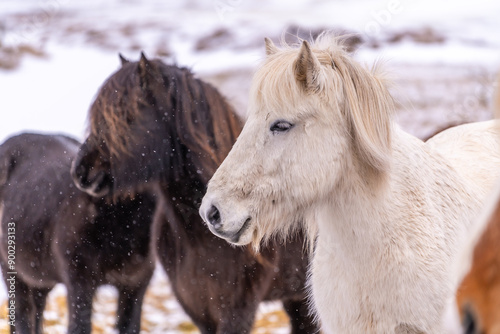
(54, 54)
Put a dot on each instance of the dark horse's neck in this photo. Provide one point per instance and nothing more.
(183, 200)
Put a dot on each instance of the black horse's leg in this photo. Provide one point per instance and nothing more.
(300, 318)
(39, 298)
(238, 319)
(129, 309)
(205, 324)
(80, 294)
(24, 317)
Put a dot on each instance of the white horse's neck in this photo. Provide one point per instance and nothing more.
(353, 228)
(358, 218)
(376, 246)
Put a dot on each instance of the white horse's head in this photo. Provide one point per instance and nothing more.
(315, 118)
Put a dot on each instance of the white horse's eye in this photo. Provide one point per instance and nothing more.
(281, 126)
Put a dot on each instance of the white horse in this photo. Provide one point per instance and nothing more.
(386, 213)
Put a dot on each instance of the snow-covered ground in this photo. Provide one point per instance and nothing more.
(54, 54)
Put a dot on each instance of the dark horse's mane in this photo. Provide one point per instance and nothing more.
(184, 100)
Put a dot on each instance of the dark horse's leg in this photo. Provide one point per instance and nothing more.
(129, 309)
(233, 320)
(237, 320)
(206, 325)
(24, 317)
(302, 322)
(80, 293)
(39, 298)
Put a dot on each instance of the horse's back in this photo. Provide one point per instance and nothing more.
(33, 167)
(473, 150)
(38, 149)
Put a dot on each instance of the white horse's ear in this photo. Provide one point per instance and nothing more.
(307, 68)
(270, 47)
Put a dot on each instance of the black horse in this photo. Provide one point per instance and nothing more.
(52, 232)
(156, 125)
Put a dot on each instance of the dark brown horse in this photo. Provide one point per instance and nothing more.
(155, 125)
(54, 233)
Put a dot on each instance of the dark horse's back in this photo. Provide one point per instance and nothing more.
(157, 125)
(63, 235)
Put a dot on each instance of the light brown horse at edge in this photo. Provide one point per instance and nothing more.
(478, 297)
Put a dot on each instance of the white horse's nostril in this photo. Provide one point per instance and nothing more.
(213, 217)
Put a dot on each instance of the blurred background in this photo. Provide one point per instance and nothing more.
(54, 54)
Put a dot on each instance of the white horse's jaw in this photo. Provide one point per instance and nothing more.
(232, 226)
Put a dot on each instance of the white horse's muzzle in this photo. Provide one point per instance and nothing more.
(235, 227)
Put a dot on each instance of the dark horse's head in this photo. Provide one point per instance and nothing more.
(153, 123)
